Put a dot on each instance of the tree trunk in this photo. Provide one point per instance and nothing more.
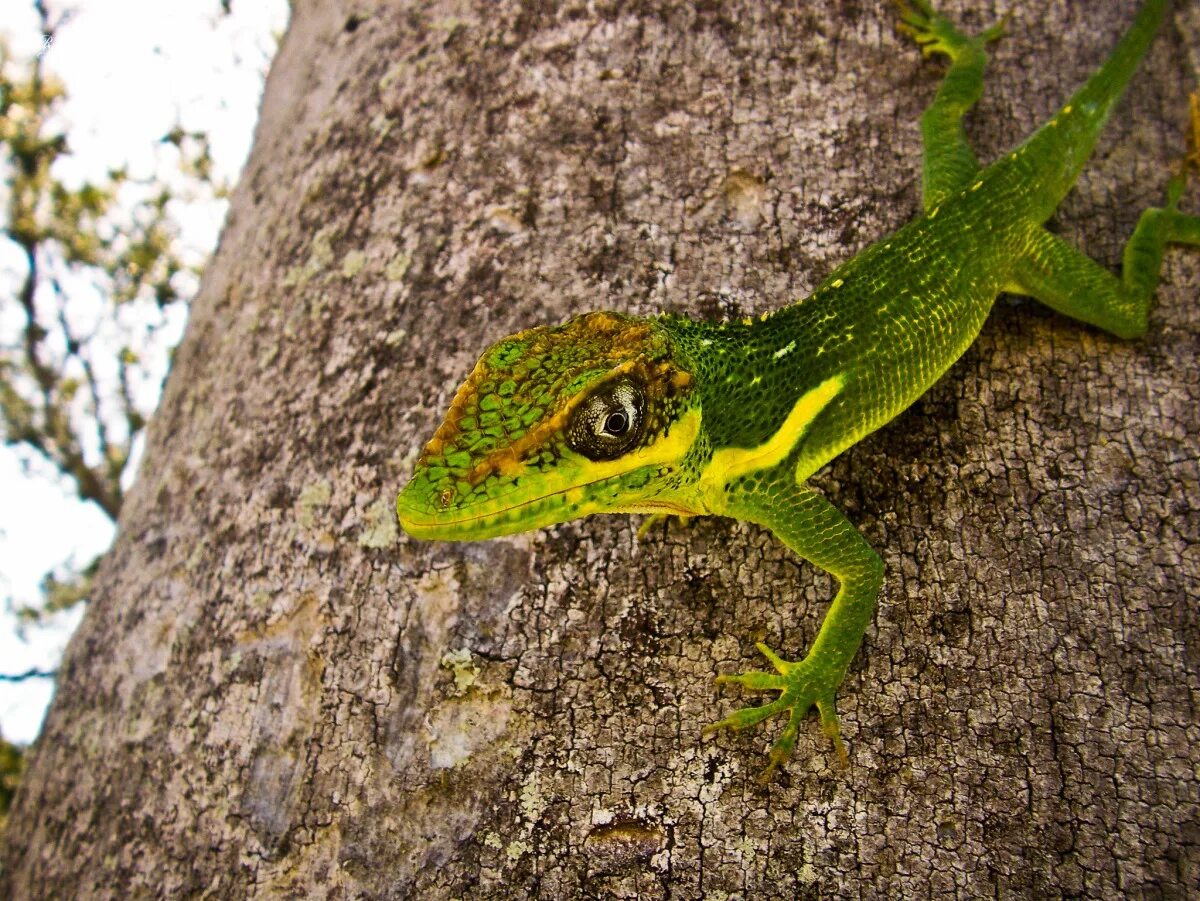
(275, 693)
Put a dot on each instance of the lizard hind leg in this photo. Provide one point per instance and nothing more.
(1067, 280)
(948, 163)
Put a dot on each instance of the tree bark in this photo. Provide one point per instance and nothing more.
(274, 693)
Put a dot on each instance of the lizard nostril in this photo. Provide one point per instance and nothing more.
(446, 497)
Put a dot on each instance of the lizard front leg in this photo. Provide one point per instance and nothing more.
(818, 532)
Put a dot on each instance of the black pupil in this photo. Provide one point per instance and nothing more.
(616, 423)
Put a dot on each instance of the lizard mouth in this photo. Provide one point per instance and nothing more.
(475, 525)
(544, 510)
(612, 486)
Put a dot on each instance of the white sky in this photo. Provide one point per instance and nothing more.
(133, 70)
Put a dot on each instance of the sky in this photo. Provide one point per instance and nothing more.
(133, 70)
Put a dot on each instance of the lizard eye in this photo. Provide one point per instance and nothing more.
(608, 423)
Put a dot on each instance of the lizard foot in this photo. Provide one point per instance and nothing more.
(655, 518)
(1190, 163)
(801, 686)
(935, 34)
(1191, 160)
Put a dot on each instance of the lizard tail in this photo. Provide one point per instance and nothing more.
(1056, 152)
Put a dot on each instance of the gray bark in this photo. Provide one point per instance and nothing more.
(260, 700)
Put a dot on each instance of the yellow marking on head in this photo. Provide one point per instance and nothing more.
(623, 338)
(668, 450)
(671, 448)
(730, 462)
(507, 460)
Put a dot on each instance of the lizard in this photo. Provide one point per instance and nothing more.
(669, 415)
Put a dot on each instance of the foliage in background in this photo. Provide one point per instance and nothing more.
(101, 275)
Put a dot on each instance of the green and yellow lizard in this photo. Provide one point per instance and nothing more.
(613, 414)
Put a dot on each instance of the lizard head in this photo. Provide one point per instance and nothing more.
(591, 416)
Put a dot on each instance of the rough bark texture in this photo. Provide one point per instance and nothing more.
(261, 700)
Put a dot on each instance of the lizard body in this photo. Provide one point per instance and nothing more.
(669, 415)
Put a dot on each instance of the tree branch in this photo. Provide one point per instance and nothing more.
(33, 673)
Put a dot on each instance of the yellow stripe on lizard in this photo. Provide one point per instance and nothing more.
(729, 463)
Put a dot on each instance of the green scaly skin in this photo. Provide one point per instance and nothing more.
(609, 413)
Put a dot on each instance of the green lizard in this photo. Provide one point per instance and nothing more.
(608, 413)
